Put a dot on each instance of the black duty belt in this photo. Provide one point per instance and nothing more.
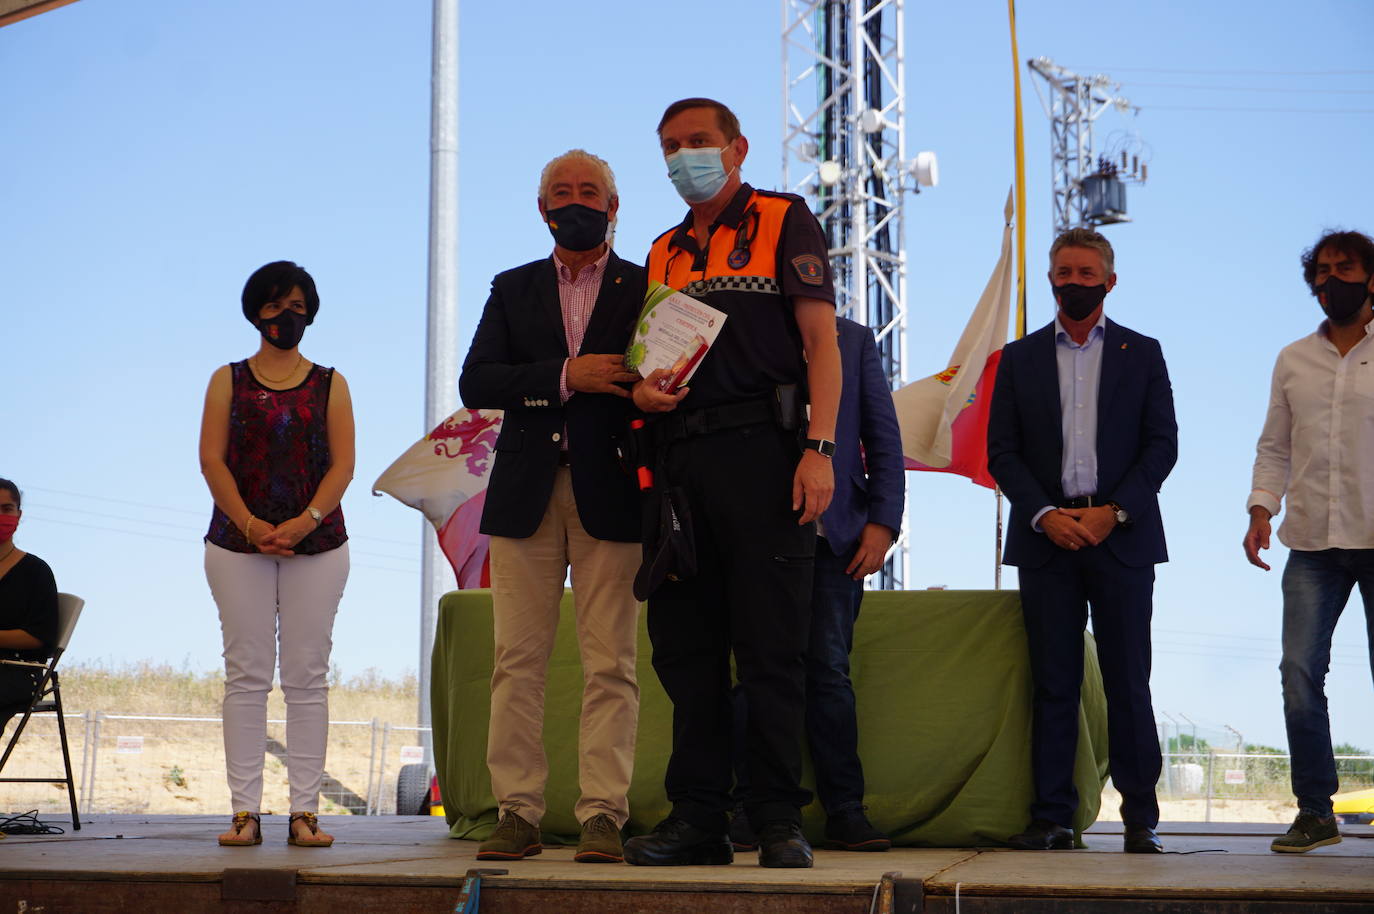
(1083, 501)
(675, 426)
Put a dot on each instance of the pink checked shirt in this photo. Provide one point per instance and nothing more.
(577, 298)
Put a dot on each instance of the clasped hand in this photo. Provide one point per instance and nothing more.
(1076, 528)
(281, 539)
(600, 373)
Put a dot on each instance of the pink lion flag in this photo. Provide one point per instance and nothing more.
(444, 476)
(944, 417)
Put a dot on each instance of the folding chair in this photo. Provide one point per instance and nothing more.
(48, 698)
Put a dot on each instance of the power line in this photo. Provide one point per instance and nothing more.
(200, 512)
(185, 541)
(1258, 110)
(1304, 90)
(1233, 72)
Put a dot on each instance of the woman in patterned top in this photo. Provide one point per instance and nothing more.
(28, 610)
(276, 448)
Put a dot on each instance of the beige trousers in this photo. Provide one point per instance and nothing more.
(527, 584)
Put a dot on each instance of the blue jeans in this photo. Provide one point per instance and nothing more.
(1316, 587)
(832, 727)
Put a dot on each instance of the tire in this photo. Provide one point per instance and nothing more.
(412, 790)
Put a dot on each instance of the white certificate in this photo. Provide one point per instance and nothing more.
(674, 332)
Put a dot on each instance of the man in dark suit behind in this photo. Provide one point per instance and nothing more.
(1081, 437)
(548, 351)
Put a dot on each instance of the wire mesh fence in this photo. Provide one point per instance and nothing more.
(160, 764)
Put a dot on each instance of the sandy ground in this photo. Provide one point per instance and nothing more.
(179, 769)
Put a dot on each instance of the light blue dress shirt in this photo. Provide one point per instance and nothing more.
(1080, 370)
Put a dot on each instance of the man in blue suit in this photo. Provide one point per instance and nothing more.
(854, 535)
(1081, 436)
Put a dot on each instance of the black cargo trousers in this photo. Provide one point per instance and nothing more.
(752, 595)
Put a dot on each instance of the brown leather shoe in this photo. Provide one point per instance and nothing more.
(514, 839)
(600, 841)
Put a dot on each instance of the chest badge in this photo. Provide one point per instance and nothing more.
(738, 258)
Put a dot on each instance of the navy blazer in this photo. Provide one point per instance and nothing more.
(866, 416)
(515, 363)
(1137, 441)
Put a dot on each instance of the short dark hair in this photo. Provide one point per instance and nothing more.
(271, 281)
(729, 124)
(1355, 244)
(1086, 238)
(13, 490)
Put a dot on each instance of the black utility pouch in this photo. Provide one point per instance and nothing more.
(670, 550)
(788, 407)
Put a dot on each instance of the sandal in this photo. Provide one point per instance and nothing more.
(239, 838)
(317, 838)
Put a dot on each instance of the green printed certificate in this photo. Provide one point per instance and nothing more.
(675, 331)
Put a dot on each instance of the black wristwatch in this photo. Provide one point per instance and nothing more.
(1123, 517)
(822, 446)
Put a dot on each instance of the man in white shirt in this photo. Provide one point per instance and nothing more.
(1314, 448)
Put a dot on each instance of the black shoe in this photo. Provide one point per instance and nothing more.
(742, 836)
(1041, 835)
(851, 831)
(676, 842)
(781, 844)
(1141, 839)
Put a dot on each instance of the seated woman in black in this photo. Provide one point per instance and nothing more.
(28, 610)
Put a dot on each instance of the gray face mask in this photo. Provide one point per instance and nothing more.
(1341, 300)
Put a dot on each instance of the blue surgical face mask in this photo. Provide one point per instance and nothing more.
(698, 174)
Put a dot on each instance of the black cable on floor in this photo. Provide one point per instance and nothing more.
(28, 824)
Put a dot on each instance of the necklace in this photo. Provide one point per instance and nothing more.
(13, 550)
(257, 367)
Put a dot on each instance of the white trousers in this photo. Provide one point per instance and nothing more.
(264, 601)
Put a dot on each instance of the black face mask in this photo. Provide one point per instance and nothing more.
(1078, 301)
(1341, 300)
(576, 227)
(283, 331)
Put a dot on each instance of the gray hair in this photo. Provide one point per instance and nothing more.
(1085, 238)
(578, 155)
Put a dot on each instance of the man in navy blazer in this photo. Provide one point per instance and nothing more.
(853, 537)
(549, 351)
(1081, 436)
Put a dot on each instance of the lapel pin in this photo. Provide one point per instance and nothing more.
(1123, 345)
(617, 280)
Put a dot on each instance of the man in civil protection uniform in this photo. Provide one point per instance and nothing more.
(549, 351)
(1315, 449)
(1081, 436)
(754, 475)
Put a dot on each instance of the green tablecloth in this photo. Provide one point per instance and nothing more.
(943, 687)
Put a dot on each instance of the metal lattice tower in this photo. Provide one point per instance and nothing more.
(844, 150)
(1087, 190)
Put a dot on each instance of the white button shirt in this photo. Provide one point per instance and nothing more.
(1317, 447)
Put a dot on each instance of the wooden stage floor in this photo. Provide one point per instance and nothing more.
(408, 863)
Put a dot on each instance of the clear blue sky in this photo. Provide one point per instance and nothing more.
(155, 152)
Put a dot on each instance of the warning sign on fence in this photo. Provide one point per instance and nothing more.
(128, 745)
(412, 754)
(1235, 776)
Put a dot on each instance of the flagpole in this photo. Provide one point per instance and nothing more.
(1019, 216)
(1020, 139)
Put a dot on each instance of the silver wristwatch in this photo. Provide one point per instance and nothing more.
(315, 514)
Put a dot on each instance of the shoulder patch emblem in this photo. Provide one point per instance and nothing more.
(809, 269)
